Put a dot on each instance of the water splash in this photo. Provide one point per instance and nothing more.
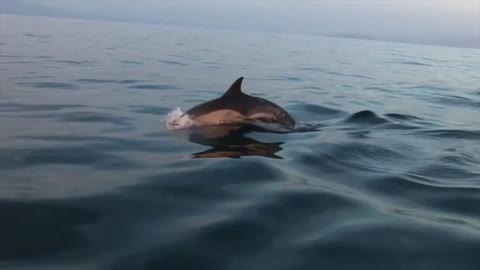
(177, 119)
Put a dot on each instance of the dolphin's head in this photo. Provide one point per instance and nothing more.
(269, 112)
(284, 118)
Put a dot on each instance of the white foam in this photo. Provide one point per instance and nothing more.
(177, 119)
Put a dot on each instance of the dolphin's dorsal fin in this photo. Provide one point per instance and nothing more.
(235, 89)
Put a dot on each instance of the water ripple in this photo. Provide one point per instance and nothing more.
(172, 63)
(17, 107)
(451, 133)
(51, 85)
(395, 243)
(74, 62)
(92, 117)
(156, 110)
(337, 158)
(410, 63)
(155, 87)
(131, 62)
(457, 101)
(402, 117)
(457, 200)
(18, 62)
(107, 81)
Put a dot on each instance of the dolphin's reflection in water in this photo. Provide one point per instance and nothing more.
(231, 141)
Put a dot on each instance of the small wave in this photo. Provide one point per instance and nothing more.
(310, 88)
(289, 78)
(92, 117)
(54, 85)
(377, 88)
(334, 158)
(411, 63)
(18, 62)
(314, 112)
(451, 133)
(172, 63)
(403, 181)
(446, 171)
(107, 81)
(155, 87)
(96, 81)
(35, 35)
(210, 63)
(131, 62)
(366, 117)
(312, 69)
(349, 75)
(417, 187)
(11, 56)
(462, 159)
(84, 62)
(457, 101)
(428, 87)
(317, 69)
(149, 110)
(32, 77)
(429, 59)
(212, 67)
(129, 81)
(318, 109)
(17, 107)
(184, 57)
(403, 117)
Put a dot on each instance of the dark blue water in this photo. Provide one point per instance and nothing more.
(90, 178)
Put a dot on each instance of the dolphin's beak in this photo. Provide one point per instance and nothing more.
(288, 123)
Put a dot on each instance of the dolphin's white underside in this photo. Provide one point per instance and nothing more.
(177, 120)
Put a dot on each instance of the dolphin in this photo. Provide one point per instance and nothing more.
(236, 108)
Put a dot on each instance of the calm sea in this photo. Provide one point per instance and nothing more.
(90, 178)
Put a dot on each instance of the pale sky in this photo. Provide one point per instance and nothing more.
(394, 17)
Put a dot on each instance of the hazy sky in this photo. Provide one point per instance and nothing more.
(377, 17)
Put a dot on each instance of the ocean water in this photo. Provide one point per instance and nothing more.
(91, 178)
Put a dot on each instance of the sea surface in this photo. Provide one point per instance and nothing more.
(91, 178)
